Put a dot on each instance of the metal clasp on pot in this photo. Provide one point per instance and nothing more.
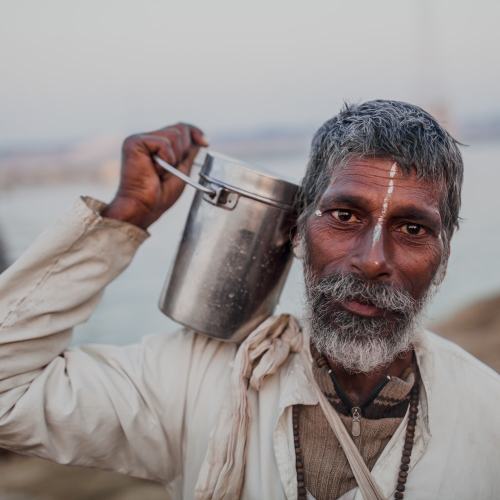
(223, 198)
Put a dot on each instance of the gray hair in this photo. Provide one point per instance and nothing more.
(396, 130)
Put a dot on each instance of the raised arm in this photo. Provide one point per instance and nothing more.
(86, 406)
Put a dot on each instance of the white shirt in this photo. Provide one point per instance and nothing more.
(147, 410)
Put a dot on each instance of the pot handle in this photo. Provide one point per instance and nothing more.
(184, 177)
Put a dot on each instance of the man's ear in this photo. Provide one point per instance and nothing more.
(298, 247)
(443, 267)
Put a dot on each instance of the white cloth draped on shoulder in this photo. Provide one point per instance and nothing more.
(260, 355)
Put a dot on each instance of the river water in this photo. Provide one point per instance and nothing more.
(129, 307)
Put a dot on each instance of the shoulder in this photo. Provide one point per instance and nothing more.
(187, 346)
(462, 408)
(187, 350)
(454, 369)
(452, 353)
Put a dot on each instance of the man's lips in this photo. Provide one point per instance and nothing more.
(367, 310)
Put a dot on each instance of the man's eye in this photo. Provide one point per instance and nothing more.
(344, 215)
(413, 229)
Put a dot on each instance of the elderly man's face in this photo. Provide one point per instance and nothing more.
(382, 229)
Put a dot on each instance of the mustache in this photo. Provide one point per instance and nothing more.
(340, 287)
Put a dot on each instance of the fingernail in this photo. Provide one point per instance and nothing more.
(205, 139)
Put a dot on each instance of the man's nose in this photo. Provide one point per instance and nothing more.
(370, 257)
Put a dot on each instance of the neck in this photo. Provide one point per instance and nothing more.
(358, 386)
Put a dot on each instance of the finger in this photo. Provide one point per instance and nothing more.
(176, 140)
(170, 182)
(186, 165)
(187, 131)
(185, 136)
(149, 145)
(199, 138)
(197, 135)
(160, 146)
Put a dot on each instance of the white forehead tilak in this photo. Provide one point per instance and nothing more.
(377, 230)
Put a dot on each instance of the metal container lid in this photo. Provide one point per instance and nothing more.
(235, 175)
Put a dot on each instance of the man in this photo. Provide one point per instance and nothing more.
(362, 403)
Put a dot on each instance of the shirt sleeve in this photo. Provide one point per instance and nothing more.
(80, 406)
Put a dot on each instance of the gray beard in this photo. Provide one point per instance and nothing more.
(360, 344)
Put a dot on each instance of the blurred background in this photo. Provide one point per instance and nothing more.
(259, 78)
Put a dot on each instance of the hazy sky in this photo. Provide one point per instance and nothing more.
(74, 69)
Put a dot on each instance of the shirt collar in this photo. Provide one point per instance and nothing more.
(296, 388)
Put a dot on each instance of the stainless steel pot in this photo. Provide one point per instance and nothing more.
(235, 253)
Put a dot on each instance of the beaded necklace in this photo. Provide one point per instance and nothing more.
(405, 457)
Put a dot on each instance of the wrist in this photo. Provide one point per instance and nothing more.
(128, 210)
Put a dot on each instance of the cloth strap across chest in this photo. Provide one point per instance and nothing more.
(327, 473)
